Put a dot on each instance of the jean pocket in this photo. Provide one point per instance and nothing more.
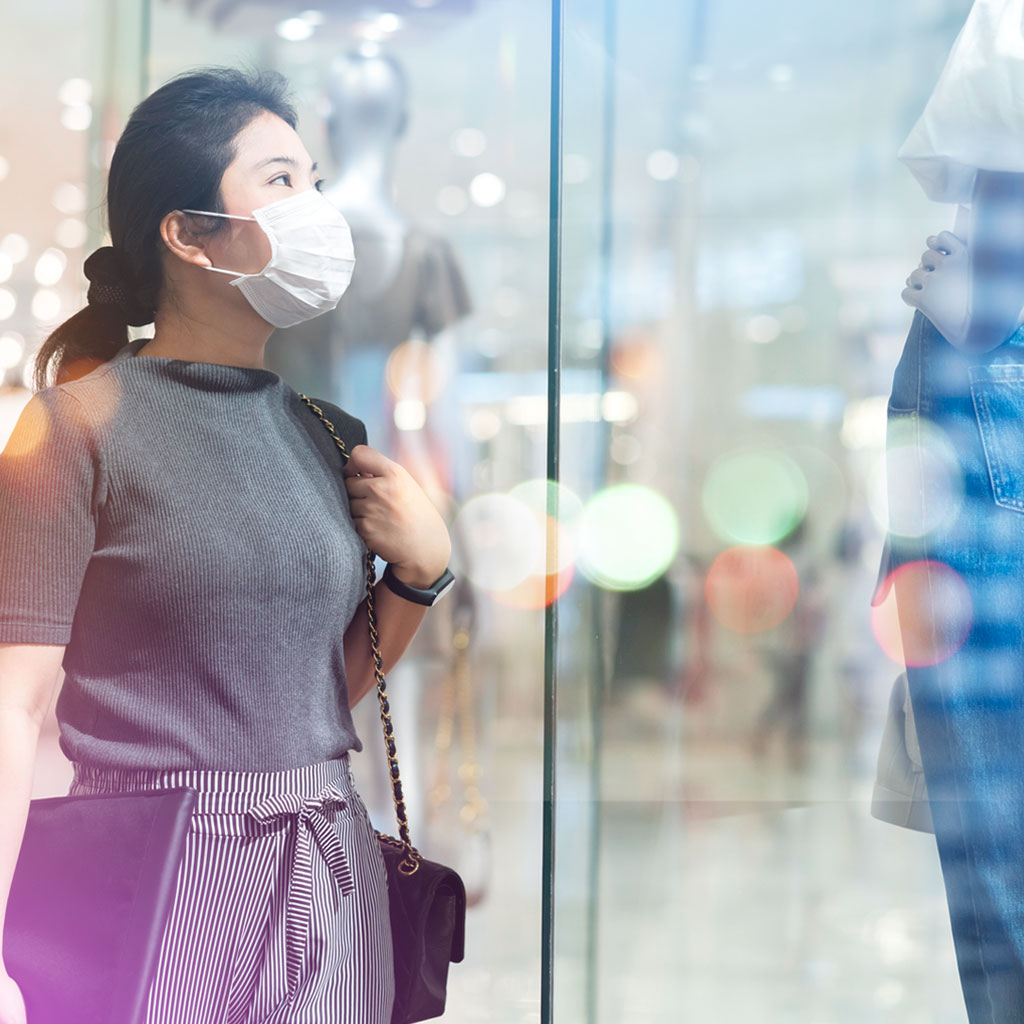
(998, 395)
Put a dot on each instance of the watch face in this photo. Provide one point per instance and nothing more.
(444, 590)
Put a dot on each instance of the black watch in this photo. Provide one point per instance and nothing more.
(430, 596)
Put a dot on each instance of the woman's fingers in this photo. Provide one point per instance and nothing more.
(366, 461)
(359, 486)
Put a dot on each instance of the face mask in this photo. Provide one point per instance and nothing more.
(311, 259)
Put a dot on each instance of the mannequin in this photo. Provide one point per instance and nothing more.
(405, 282)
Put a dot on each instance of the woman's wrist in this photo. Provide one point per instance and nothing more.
(415, 575)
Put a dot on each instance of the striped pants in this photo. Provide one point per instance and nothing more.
(280, 911)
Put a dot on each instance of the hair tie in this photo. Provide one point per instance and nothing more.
(108, 286)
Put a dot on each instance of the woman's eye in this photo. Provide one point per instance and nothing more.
(319, 185)
(284, 175)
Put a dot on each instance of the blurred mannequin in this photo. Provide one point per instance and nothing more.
(405, 283)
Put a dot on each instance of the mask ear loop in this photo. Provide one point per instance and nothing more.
(232, 216)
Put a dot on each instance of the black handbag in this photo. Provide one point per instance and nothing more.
(89, 902)
(427, 901)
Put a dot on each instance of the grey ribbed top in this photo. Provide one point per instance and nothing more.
(183, 527)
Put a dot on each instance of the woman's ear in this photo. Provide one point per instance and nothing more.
(174, 230)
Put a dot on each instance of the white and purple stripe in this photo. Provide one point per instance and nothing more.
(280, 912)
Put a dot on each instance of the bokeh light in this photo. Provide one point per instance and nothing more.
(754, 496)
(69, 198)
(828, 492)
(452, 200)
(469, 142)
(538, 496)
(50, 267)
(46, 304)
(628, 536)
(935, 614)
(414, 370)
(14, 246)
(487, 189)
(662, 165)
(917, 485)
(410, 414)
(751, 589)
(12, 349)
(505, 540)
(538, 590)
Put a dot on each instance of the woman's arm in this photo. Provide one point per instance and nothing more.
(397, 521)
(397, 622)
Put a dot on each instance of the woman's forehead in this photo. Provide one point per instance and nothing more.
(266, 139)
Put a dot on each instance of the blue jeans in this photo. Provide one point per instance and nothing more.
(969, 704)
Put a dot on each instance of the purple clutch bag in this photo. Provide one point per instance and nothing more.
(89, 902)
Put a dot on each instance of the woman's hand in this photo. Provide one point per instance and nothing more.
(941, 286)
(394, 517)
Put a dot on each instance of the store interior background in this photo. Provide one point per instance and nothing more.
(735, 234)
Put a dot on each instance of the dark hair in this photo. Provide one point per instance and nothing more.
(171, 155)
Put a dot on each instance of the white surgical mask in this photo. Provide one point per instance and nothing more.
(311, 259)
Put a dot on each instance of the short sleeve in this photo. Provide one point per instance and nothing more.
(442, 294)
(50, 491)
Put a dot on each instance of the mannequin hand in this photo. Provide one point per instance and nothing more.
(940, 286)
(394, 517)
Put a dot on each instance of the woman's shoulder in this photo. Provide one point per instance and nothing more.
(349, 428)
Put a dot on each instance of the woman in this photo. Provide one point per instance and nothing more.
(177, 531)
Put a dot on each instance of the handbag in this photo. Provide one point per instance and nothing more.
(427, 901)
(89, 902)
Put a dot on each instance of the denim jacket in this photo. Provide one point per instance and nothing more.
(977, 404)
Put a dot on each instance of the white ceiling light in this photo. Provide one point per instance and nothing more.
(75, 92)
(69, 198)
(70, 233)
(50, 267)
(487, 189)
(76, 119)
(46, 305)
(294, 30)
(12, 348)
(469, 142)
(662, 165)
(15, 246)
(452, 200)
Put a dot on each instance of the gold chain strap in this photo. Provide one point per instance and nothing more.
(410, 862)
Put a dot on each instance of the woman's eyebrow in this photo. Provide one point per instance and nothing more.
(290, 161)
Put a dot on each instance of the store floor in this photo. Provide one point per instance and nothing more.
(731, 890)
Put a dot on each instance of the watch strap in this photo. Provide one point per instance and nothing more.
(426, 596)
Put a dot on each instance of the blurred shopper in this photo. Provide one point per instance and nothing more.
(176, 530)
(788, 652)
